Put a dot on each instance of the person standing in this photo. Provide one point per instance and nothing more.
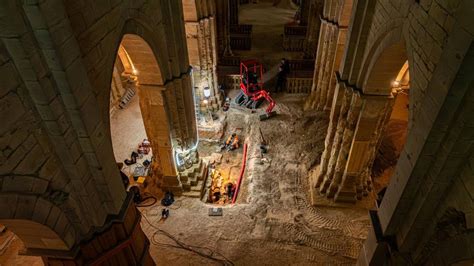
(283, 71)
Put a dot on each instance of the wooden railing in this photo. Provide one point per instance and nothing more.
(293, 43)
(241, 36)
(240, 41)
(294, 37)
(241, 29)
(299, 84)
(229, 61)
(301, 64)
(295, 30)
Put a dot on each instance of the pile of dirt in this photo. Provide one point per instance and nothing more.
(393, 139)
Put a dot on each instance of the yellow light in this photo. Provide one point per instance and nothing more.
(395, 83)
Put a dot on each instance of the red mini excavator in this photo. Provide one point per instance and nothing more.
(252, 93)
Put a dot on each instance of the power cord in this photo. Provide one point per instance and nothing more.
(204, 252)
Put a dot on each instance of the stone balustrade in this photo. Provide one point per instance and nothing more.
(299, 84)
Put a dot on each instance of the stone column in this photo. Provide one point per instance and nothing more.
(313, 98)
(327, 175)
(364, 180)
(332, 40)
(352, 119)
(158, 129)
(314, 26)
(223, 27)
(365, 138)
(333, 119)
(234, 12)
(304, 12)
(327, 68)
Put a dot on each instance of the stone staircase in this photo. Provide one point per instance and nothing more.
(193, 180)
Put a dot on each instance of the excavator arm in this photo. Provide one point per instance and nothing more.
(271, 103)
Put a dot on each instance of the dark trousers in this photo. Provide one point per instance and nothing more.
(280, 85)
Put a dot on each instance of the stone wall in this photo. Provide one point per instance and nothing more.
(57, 57)
(435, 37)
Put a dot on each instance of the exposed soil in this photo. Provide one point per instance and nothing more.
(393, 141)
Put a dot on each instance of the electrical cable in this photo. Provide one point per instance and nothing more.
(204, 252)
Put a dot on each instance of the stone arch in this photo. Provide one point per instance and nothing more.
(40, 224)
(153, 104)
(164, 91)
(383, 62)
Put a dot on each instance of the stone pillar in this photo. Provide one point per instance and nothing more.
(208, 62)
(356, 125)
(304, 12)
(373, 117)
(223, 27)
(234, 12)
(332, 40)
(120, 241)
(333, 119)
(339, 169)
(385, 105)
(202, 46)
(158, 129)
(330, 158)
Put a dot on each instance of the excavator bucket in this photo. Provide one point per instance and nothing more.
(266, 116)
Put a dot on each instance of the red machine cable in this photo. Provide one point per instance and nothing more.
(242, 170)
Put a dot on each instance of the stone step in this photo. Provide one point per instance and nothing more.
(198, 186)
(192, 194)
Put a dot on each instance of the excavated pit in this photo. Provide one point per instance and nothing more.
(272, 222)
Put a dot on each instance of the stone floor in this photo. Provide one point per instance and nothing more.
(127, 130)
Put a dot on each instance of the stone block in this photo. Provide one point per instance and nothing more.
(32, 162)
(18, 183)
(12, 110)
(35, 17)
(53, 216)
(8, 205)
(41, 210)
(9, 78)
(25, 207)
(49, 169)
(39, 186)
(13, 160)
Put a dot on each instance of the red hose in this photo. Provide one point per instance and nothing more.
(242, 170)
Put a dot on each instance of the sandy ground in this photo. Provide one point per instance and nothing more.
(275, 225)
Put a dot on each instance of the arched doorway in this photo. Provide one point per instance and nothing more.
(151, 116)
(139, 120)
(394, 135)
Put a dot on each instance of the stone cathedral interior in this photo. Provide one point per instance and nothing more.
(237, 132)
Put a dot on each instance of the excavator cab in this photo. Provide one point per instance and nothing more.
(252, 94)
